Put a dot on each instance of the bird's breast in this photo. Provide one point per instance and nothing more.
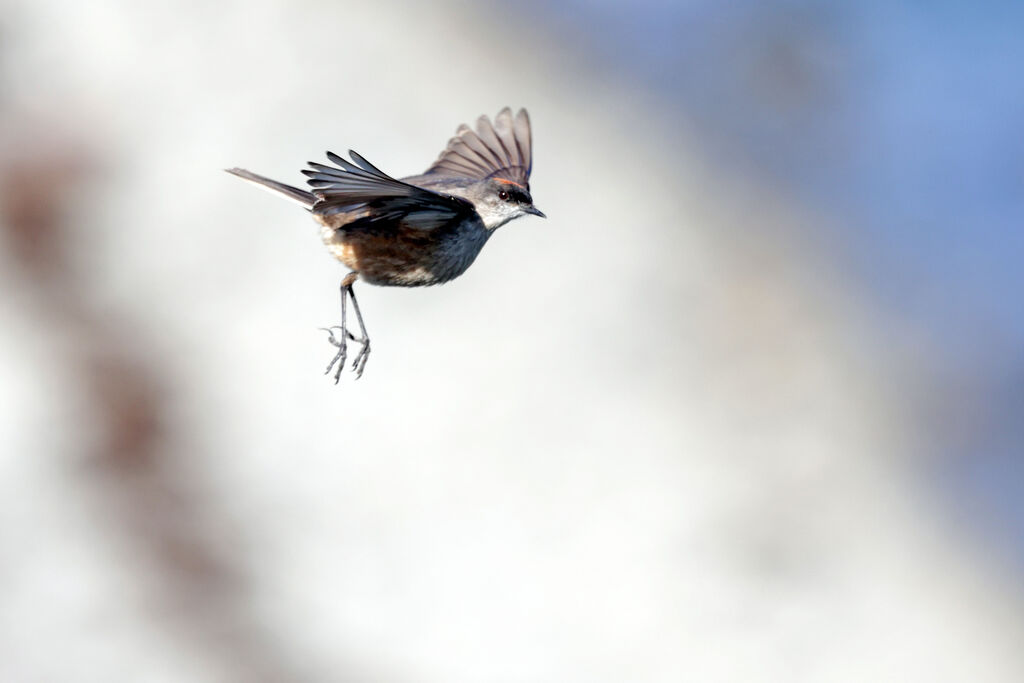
(407, 257)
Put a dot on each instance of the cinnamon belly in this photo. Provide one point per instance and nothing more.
(400, 259)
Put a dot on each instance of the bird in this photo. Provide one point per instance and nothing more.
(418, 230)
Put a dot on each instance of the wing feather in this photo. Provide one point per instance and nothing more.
(503, 128)
(502, 149)
(349, 194)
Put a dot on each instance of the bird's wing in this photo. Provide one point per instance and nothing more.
(503, 149)
(360, 191)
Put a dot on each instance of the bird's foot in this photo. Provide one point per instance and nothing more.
(360, 361)
(338, 362)
(339, 358)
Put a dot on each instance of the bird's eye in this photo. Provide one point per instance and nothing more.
(503, 196)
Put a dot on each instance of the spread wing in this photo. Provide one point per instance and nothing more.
(503, 149)
(360, 191)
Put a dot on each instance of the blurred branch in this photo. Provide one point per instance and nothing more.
(160, 511)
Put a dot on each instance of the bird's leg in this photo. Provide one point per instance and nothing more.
(360, 362)
(342, 343)
(345, 335)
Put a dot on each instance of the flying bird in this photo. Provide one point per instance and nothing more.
(419, 230)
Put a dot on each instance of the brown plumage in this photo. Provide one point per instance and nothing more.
(421, 230)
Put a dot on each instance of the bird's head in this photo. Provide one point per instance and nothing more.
(498, 201)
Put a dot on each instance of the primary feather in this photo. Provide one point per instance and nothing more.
(349, 192)
(502, 149)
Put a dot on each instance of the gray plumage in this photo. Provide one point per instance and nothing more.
(502, 149)
(420, 230)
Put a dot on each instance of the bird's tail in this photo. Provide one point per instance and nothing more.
(296, 195)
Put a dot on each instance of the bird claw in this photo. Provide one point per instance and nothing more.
(360, 361)
(358, 364)
(344, 332)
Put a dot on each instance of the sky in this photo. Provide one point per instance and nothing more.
(901, 122)
(902, 125)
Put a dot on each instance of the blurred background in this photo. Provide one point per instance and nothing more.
(747, 406)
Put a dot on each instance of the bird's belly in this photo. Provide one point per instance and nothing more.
(417, 276)
(407, 260)
(407, 271)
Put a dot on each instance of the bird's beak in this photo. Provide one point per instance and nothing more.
(534, 211)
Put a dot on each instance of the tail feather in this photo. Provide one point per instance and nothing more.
(296, 195)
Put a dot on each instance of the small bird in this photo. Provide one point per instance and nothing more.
(419, 230)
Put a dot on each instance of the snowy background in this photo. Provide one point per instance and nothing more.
(746, 406)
